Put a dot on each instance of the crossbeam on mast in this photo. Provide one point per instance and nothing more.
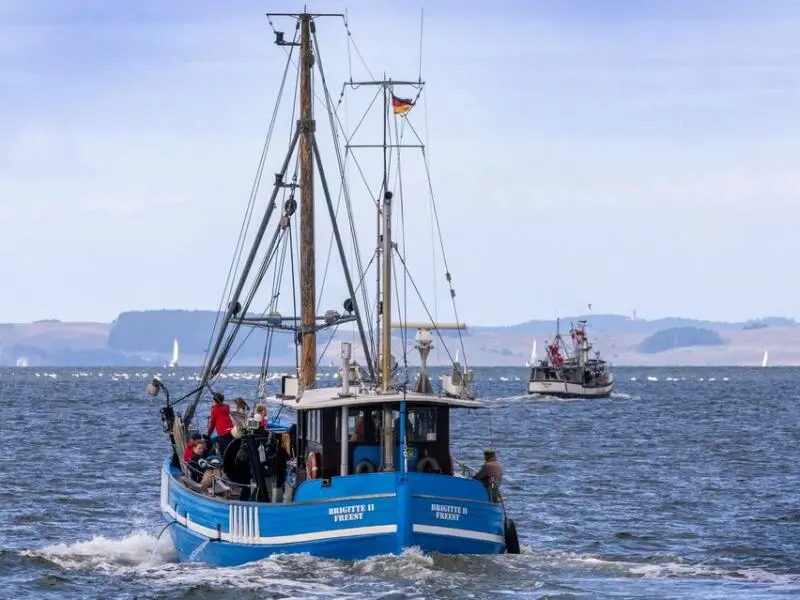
(305, 14)
(426, 325)
(385, 146)
(384, 82)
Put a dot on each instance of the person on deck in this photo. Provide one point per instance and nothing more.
(189, 450)
(213, 475)
(241, 406)
(491, 474)
(199, 452)
(220, 420)
(261, 415)
(358, 430)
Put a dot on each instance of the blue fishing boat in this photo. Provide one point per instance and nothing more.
(357, 470)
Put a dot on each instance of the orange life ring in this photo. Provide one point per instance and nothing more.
(312, 468)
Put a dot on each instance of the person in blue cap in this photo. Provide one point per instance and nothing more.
(213, 475)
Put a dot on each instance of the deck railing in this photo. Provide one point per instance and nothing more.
(465, 469)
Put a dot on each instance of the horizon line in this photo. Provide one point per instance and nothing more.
(588, 315)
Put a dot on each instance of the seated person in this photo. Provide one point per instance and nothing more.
(199, 452)
(212, 476)
(261, 415)
(358, 430)
(189, 450)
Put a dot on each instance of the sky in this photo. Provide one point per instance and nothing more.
(632, 155)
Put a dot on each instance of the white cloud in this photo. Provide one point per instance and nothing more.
(152, 141)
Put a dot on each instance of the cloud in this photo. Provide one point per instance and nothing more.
(139, 128)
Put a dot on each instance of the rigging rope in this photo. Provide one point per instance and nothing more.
(421, 29)
(355, 47)
(403, 318)
(424, 305)
(344, 193)
(225, 353)
(448, 276)
(238, 252)
(294, 294)
(399, 184)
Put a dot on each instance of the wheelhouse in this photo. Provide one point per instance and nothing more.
(364, 432)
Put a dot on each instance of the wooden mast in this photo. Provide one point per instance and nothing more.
(308, 335)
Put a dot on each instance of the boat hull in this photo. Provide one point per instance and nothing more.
(350, 518)
(565, 389)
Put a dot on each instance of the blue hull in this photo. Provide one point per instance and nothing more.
(354, 517)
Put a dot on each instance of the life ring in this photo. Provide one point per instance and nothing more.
(312, 466)
(428, 464)
(365, 466)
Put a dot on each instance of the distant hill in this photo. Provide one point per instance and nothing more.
(622, 324)
(154, 331)
(145, 338)
(679, 337)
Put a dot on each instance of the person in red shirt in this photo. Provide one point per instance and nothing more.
(188, 451)
(261, 414)
(221, 421)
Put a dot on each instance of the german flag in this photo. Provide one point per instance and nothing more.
(401, 106)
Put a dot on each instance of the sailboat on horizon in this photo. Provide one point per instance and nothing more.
(765, 359)
(357, 470)
(175, 354)
(530, 362)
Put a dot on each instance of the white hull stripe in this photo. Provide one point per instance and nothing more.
(569, 388)
(244, 534)
(459, 533)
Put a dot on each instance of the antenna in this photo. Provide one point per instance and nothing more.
(421, 30)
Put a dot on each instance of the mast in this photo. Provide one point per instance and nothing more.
(308, 335)
(384, 222)
(386, 243)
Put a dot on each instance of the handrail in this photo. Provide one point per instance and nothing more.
(223, 478)
(466, 470)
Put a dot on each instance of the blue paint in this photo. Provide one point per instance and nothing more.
(372, 453)
(354, 517)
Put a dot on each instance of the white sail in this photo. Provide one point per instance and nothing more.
(174, 361)
(532, 361)
(764, 360)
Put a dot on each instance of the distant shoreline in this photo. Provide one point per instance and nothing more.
(143, 339)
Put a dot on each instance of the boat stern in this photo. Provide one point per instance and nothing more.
(453, 515)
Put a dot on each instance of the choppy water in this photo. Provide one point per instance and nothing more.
(680, 487)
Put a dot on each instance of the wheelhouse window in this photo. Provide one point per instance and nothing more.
(422, 426)
(314, 426)
(356, 425)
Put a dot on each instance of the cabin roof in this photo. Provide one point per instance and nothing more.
(329, 397)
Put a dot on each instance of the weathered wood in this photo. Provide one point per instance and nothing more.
(308, 336)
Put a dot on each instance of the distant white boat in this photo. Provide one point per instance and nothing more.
(174, 362)
(568, 371)
(765, 358)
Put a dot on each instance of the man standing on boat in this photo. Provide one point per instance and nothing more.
(220, 420)
(491, 474)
